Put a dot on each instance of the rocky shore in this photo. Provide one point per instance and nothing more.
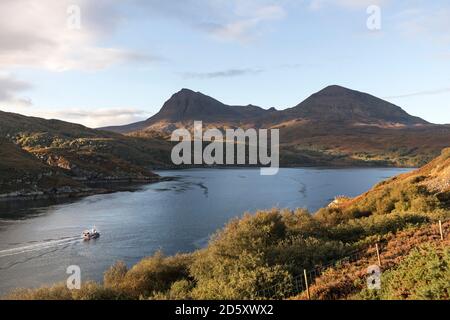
(86, 188)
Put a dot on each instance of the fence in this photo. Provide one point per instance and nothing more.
(302, 282)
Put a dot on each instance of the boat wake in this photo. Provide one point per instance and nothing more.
(43, 245)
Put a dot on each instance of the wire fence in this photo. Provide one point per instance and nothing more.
(300, 284)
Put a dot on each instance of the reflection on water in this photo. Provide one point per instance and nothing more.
(40, 239)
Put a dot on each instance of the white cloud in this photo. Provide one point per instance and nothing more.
(351, 4)
(221, 74)
(421, 93)
(224, 19)
(433, 23)
(10, 88)
(36, 34)
(102, 117)
(243, 28)
(93, 118)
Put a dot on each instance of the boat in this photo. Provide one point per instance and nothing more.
(91, 234)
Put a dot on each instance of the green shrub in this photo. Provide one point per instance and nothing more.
(302, 223)
(359, 229)
(115, 275)
(89, 291)
(244, 278)
(305, 252)
(423, 275)
(55, 292)
(181, 290)
(252, 233)
(149, 276)
(402, 197)
(94, 291)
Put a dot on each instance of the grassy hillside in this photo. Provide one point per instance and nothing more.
(312, 143)
(270, 250)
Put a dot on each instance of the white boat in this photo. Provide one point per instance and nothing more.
(91, 234)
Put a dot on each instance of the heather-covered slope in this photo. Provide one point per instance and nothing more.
(22, 173)
(415, 266)
(425, 189)
(78, 152)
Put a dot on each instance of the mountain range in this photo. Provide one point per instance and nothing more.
(335, 126)
(332, 104)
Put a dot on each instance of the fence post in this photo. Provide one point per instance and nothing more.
(306, 283)
(378, 255)
(441, 230)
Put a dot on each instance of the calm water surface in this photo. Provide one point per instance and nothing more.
(39, 240)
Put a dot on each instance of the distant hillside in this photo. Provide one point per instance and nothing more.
(336, 126)
(77, 152)
(22, 172)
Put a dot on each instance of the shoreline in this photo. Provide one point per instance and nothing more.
(283, 167)
(108, 186)
(305, 166)
(68, 192)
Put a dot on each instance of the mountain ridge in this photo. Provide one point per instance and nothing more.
(333, 103)
(335, 126)
(346, 104)
(188, 105)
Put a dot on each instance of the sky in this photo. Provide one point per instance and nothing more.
(113, 62)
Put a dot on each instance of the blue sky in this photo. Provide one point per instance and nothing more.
(130, 56)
